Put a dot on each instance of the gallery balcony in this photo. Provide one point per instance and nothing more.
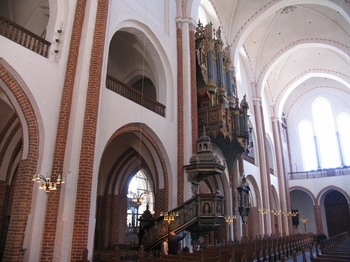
(23, 37)
(320, 173)
(132, 94)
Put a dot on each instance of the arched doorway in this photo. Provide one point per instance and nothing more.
(337, 213)
(132, 169)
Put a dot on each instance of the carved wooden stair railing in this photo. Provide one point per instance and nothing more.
(202, 213)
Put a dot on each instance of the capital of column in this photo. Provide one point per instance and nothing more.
(187, 20)
(257, 99)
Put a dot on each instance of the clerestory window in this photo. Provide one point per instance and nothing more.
(323, 140)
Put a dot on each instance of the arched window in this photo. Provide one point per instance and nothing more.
(270, 156)
(307, 145)
(202, 16)
(325, 133)
(343, 124)
(207, 14)
(321, 145)
(140, 193)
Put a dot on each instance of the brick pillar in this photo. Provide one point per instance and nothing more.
(254, 225)
(86, 171)
(107, 219)
(180, 117)
(23, 187)
(194, 109)
(245, 232)
(318, 218)
(62, 132)
(99, 226)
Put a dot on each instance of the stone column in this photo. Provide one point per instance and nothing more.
(263, 161)
(280, 172)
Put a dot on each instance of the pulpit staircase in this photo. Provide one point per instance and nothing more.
(202, 213)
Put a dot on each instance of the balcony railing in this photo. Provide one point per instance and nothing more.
(24, 37)
(329, 172)
(130, 93)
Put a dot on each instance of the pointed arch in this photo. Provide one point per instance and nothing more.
(26, 110)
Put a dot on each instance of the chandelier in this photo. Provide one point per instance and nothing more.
(46, 183)
(304, 220)
(290, 213)
(169, 216)
(137, 198)
(264, 211)
(229, 219)
(276, 212)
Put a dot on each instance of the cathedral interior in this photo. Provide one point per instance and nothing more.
(122, 121)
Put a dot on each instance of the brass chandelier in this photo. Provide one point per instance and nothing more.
(46, 183)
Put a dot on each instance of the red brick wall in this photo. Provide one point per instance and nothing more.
(23, 186)
(253, 222)
(82, 208)
(3, 202)
(4, 207)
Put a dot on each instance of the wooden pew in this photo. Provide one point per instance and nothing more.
(335, 249)
(210, 254)
(239, 254)
(226, 253)
(249, 250)
(115, 255)
(267, 249)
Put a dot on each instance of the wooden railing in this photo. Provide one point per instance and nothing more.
(130, 93)
(24, 37)
(200, 213)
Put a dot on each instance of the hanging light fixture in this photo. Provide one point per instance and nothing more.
(229, 219)
(137, 198)
(46, 183)
(276, 212)
(169, 216)
(290, 213)
(264, 211)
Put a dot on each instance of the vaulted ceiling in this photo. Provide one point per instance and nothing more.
(288, 48)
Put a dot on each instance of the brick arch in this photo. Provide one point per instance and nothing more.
(253, 184)
(23, 185)
(110, 230)
(329, 188)
(255, 224)
(307, 191)
(161, 152)
(275, 196)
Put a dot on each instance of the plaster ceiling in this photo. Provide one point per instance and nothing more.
(288, 43)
